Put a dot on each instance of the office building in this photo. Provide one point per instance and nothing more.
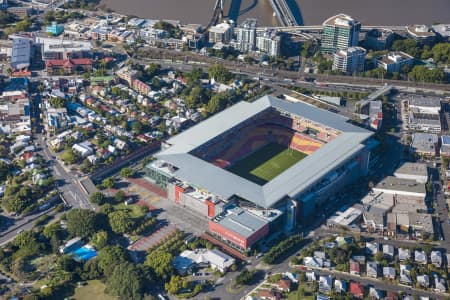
(395, 61)
(59, 48)
(21, 53)
(246, 35)
(269, 42)
(421, 34)
(379, 39)
(340, 32)
(350, 60)
(221, 33)
(55, 28)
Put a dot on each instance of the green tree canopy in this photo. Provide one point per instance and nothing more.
(110, 256)
(161, 264)
(127, 172)
(121, 221)
(219, 73)
(125, 282)
(97, 198)
(81, 222)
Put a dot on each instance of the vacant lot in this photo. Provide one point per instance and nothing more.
(93, 290)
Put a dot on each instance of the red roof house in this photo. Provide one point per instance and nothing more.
(357, 289)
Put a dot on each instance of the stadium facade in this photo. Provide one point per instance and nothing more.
(197, 167)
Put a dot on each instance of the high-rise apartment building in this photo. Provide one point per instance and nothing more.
(246, 35)
(349, 60)
(340, 32)
(269, 42)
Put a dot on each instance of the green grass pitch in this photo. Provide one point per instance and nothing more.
(266, 163)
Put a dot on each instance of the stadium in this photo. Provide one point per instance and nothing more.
(272, 161)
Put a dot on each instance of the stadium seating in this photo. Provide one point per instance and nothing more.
(268, 127)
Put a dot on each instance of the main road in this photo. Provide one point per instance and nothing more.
(148, 55)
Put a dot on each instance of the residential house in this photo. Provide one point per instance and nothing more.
(84, 149)
(439, 284)
(375, 293)
(320, 254)
(391, 295)
(372, 269)
(388, 251)
(313, 262)
(389, 272)
(357, 290)
(354, 267)
(436, 258)
(405, 277)
(325, 284)
(340, 286)
(403, 254)
(310, 276)
(423, 280)
(284, 285)
(372, 248)
(420, 257)
(269, 295)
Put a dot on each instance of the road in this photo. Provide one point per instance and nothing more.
(69, 184)
(145, 55)
(441, 205)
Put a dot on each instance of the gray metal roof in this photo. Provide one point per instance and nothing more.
(241, 221)
(291, 182)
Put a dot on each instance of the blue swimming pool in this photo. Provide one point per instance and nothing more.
(84, 253)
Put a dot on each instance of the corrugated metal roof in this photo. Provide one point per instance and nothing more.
(289, 183)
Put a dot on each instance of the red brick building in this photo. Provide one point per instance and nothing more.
(239, 228)
(68, 66)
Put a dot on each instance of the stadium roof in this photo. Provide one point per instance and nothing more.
(291, 182)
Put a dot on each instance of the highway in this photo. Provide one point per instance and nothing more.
(182, 59)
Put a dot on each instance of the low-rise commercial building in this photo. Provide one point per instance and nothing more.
(421, 34)
(413, 171)
(239, 227)
(395, 61)
(425, 144)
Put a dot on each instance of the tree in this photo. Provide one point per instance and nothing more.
(121, 221)
(127, 172)
(69, 156)
(174, 285)
(219, 73)
(125, 282)
(120, 196)
(97, 198)
(100, 239)
(23, 25)
(245, 277)
(217, 103)
(110, 256)
(109, 182)
(161, 264)
(407, 45)
(81, 222)
(137, 127)
(58, 102)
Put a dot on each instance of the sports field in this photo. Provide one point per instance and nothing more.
(266, 163)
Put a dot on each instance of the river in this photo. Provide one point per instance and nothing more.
(308, 12)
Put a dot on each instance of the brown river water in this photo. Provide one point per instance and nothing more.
(307, 12)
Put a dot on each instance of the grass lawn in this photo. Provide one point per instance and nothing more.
(93, 290)
(266, 163)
